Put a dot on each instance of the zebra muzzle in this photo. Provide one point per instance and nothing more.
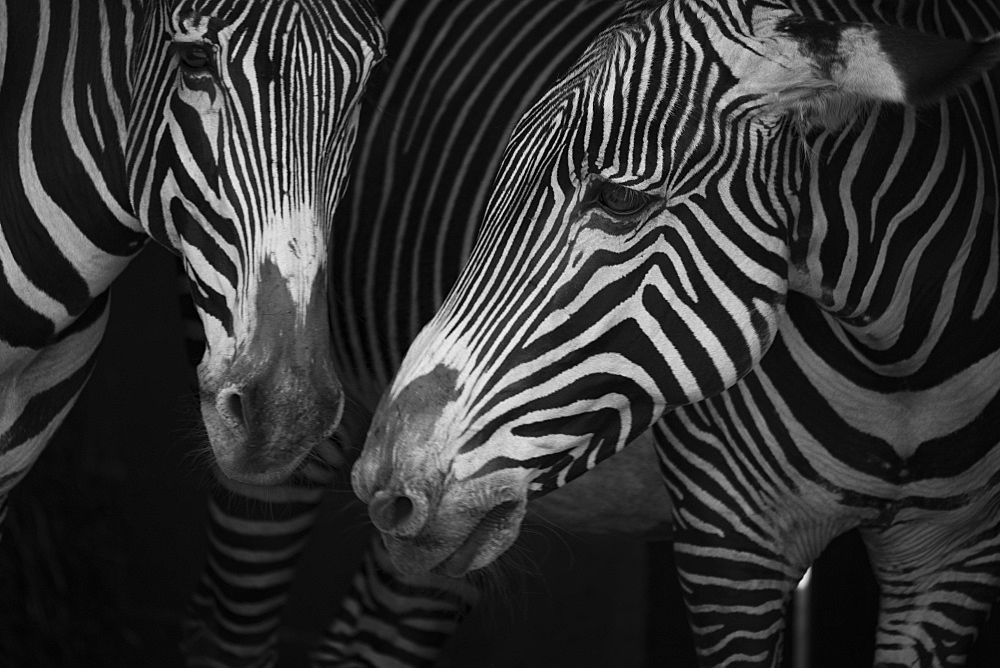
(457, 538)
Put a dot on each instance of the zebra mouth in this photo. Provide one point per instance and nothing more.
(492, 531)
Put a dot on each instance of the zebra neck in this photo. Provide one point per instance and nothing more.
(897, 241)
(66, 218)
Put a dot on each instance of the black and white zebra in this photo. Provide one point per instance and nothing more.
(712, 181)
(221, 129)
(435, 119)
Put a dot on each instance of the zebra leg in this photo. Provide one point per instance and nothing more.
(256, 535)
(736, 597)
(391, 620)
(937, 588)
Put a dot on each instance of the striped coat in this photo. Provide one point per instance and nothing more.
(712, 206)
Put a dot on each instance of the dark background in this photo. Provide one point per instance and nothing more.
(105, 540)
(105, 537)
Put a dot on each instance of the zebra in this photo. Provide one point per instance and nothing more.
(460, 73)
(220, 129)
(714, 180)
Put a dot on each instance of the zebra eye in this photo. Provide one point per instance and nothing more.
(620, 200)
(195, 56)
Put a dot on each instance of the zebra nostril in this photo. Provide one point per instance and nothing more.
(234, 403)
(402, 509)
(396, 514)
(230, 405)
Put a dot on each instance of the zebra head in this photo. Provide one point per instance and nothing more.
(239, 143)
(634, 258)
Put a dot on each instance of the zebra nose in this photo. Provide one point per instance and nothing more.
(399, 515)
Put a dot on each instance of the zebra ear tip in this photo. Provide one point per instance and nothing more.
(940, 71)
(866, 64)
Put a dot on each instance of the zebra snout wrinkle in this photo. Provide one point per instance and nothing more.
(399, 515)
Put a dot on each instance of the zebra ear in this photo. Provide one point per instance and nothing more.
(831, 70)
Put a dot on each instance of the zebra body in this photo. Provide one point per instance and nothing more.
(713, 181)
(221, 130)
(876, 410)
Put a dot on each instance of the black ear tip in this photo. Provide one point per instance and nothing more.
(933, 68)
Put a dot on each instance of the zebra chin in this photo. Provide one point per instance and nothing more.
(454, 549)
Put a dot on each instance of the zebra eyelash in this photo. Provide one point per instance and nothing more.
(619, 200)
(195, 57)
(619, 209)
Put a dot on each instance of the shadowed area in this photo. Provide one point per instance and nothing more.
(105, 537)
